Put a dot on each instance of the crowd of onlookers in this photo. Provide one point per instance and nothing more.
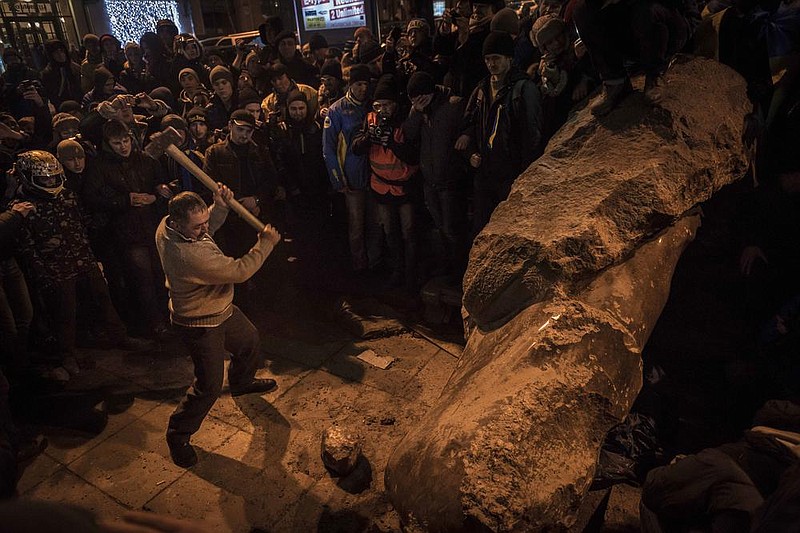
(426, 130)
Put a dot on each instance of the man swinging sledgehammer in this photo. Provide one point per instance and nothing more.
(200, 280)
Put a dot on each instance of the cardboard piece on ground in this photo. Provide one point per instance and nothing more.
(381, 361)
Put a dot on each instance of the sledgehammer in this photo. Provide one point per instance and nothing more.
(164, 142)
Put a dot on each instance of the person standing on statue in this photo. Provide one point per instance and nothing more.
(200, 280)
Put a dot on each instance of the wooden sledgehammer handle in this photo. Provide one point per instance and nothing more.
(175, 153)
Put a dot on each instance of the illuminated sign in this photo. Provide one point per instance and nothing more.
(333, 14)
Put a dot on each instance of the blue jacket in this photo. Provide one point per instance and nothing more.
(344, 121)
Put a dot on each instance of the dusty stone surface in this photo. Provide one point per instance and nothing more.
(341, 450)
(512, 442)
(563, 289)
(605, 186)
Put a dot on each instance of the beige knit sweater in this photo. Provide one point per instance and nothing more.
(199, 276)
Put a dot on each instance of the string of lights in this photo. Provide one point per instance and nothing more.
(131, 19)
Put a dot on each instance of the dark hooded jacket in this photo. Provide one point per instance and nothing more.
(507, 130)
(301, 71)
(62, 81)
(301, 152)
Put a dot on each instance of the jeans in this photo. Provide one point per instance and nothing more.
(61, 301)
(16, 314)
(399, 227)
(362, 225)
(207, 347)
(449, 213)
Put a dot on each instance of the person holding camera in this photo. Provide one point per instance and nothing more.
(393, 163)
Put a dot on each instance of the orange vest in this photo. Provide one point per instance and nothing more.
(386, 168)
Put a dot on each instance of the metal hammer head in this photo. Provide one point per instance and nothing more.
(160, 141)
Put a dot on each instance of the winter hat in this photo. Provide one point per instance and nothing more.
(360, 73)
(248, 96)
(240, 117)
(101, 76)
(363, 30)
(296, 95)
(499, 43)
(62, 121)
(317, 41)
(188, 70)
(420, 83)
(219, 72)
(369, 52)
(419, 24)
(387, 89)
(165, 95)
(547, 27)
(175, 121)
(286, 34)
(91, 38)
(69, 106)
(505, 20)
(165, 23)
(130, 45)
(106, 37)
(196, 114)
(332, 68)
(69, 148)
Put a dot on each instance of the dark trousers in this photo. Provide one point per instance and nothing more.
(399, 226)
(488, 193)
(645, 31)
(61, 301)
(207, 347)
(16, 314)
(446, 205)
(145, 278)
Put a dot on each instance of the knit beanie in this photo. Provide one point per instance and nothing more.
(420, 83)
(317, 41)
(131, 45)
(360, 73)
(69, 148)
(387, 89)
(368, 52)
(505, 20)
(296, 95)
(175, 121)
(196, 114)
(101, 76)
(499, 43)
(332, 68)
(106, 37)
(248, 96)
(418, 24)
(62, 121)
(547, 27)
(69, 106)
(188, 70)
(90, 38)
(218, 73)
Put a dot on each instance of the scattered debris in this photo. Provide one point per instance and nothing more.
(388, 421)
(381, 361)
(368, 318)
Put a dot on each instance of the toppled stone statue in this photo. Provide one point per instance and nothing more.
(563, 289)
(340, 450)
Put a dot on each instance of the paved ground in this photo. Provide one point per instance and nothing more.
(259, 461)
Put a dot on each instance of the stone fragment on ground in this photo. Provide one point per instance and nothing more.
(341, 449)
(368, 318)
